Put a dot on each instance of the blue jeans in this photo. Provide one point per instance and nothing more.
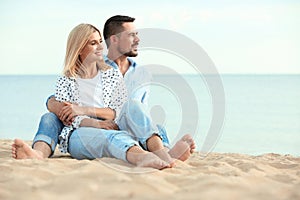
(138, 124)
(49, 128)
(136, 120)
(91, 143)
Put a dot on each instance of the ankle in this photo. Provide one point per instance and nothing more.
(154, 143)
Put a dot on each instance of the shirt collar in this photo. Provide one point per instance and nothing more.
(115, 66)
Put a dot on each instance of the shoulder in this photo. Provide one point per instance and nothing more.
(112, 72)
(142, 72)
(63, 80)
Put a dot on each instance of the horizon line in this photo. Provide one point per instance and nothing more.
(169, 74)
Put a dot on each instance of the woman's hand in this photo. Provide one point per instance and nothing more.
(69, 112)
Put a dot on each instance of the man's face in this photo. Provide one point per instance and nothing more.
(128, 40)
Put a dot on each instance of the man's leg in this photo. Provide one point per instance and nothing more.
(45, 140)
(135, 119)
(183, 148)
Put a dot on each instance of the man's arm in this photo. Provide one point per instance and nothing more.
(103, 113)
(107, 124)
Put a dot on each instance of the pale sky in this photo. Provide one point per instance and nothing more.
(250, 36)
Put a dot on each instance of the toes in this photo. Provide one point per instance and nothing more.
(189, 139)
(164, 165)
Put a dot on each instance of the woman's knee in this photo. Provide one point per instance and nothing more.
(50, 119)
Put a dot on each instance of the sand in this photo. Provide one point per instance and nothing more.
(217, 176)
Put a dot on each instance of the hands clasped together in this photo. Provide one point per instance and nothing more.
(69, 111)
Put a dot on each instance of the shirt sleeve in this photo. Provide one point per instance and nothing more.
(77, 121)
(48, 100)
(119, 96)
(63, 89)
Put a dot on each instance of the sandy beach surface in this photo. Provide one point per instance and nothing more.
(217, 176)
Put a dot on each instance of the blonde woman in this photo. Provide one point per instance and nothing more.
(88, 83)
(96, 90)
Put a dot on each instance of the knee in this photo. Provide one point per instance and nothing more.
(136, 108)
(114, 136)
(50, 119)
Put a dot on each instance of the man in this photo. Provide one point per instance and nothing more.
(122, 41)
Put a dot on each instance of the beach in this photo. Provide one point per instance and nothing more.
(216, 176)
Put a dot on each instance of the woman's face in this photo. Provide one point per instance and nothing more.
(92, 51)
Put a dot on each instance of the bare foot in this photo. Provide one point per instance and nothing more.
(165, 156)
(183, 148)
(21, 150)
(151, 160)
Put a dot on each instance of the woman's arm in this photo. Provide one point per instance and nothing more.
(107, 124)
(55, 106)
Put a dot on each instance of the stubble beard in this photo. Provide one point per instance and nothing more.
(131, 54)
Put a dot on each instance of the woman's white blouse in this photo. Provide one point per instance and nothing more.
(114, 95)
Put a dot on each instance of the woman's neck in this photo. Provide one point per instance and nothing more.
(91, 70)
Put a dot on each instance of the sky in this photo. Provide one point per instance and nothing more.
(250, 36)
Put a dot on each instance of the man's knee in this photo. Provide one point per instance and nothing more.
(136, 110)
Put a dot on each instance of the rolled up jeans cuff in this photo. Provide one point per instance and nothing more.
(161, 133)
(47, 140)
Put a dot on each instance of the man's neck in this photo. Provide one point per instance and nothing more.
(121, 60)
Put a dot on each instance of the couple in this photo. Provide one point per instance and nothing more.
(92, 114)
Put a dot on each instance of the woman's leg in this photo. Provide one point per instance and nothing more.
(91, 143)
(44, 142)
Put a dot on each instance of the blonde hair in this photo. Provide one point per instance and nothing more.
(77, 40)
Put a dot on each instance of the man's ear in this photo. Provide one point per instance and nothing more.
(113, 39)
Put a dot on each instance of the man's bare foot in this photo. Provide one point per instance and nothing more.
(183, 148)
(21, 150)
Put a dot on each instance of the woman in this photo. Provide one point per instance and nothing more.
(88, 82)
(83, 70)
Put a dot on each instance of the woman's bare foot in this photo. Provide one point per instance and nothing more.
(141, 158)
(165, 156)
(21, 150)
(183, 148)
(151, 160)
(155, 145)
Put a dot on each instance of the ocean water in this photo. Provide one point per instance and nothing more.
(262, 112)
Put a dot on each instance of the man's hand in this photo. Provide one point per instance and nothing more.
(69, 112)
(108, 125)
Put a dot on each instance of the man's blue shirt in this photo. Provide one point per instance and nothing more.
(137, 80)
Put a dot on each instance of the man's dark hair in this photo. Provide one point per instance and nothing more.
(113, 26)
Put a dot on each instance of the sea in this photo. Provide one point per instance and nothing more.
(241, 113)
